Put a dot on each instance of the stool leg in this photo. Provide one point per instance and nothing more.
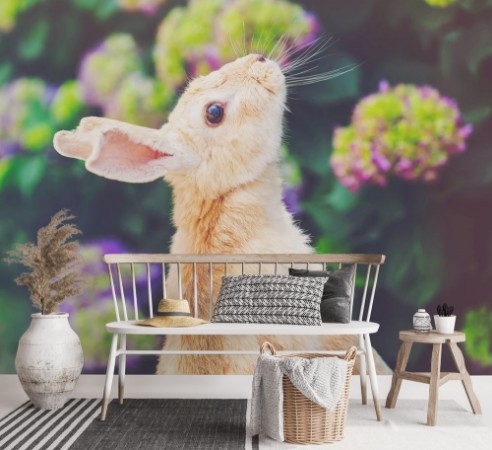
(465, 376)
(373, 377)
(401, 365)
(363, 370)
(434, 384)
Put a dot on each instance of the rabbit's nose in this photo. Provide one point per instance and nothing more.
(261, 58)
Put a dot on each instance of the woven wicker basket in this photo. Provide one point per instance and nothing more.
(305, 422)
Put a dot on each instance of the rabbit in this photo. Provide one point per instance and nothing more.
(219, 151)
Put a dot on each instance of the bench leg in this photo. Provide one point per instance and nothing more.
(373, 377)
(465, 376)
(401, 365)
(109, 377)
(122, 370)
(362, 370)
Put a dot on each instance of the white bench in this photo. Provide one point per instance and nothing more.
(198, 277)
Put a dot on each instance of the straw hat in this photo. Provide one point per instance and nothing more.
(172, 313)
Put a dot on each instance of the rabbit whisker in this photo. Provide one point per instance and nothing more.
(233, 46)
(299, 81)
(245, 49)
(278, 45)
(309, 52)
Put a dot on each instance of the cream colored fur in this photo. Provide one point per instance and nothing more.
(226, 185)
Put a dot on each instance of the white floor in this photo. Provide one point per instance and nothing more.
(149, 386)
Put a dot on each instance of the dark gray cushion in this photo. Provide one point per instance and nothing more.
(269, 299)
(337, 293)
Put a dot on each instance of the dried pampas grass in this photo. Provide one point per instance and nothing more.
(54, 262)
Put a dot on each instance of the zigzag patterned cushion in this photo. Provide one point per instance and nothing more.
(269, 299)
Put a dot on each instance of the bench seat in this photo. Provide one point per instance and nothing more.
(354, 327)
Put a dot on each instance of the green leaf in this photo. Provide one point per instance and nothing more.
(106, 9)
(326, 244)
(344, 16)
(310, 142)
(5, 165)
(479, 47)
(5, 72)
(466, 49)
(341, 199)
(341, 88)
(32, 45)
(37, 136)
(478, 114)
(404, 70)
(471, 172)
(29, 172)
(475, 6)
(414, 272)
(478, 329)
(101, 9)
(450, 48)
(67, 105)
(86, 4)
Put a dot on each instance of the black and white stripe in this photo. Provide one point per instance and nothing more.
(28, 428)
(275, 299)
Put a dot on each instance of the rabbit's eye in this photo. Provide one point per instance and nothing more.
(214, 113)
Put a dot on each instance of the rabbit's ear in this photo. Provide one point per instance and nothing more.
(124, 157)
(117, 151)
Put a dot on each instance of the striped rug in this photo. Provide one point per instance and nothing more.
(137, 424)
(28, 428)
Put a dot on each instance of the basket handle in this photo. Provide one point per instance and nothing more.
(268, 346)
(351, 354)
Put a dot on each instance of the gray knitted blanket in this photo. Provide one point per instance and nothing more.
(319, 379)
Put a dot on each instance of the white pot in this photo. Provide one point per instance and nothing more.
(445, 325)
(49, 360)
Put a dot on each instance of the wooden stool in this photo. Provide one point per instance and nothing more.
(435, 378)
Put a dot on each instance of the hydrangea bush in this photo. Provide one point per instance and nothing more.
(25, 120)
(202, 36)
(112, 77)
(407, 132)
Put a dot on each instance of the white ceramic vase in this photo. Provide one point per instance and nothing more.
(49, 360)
(422, 321)
(445, 324)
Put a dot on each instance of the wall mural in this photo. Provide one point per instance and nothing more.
(385, 147)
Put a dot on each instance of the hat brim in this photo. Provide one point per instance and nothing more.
(172, 322)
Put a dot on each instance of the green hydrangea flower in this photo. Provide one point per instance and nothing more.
(407, 131)
(67, 104)
(440, 3)
(145, 6)
(105, 67)
(25, 120)
(112, 77)
(140, 99)
(11, 9)
(195, 39)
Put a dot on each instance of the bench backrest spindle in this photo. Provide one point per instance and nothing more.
(134, 285)
(149, 292)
